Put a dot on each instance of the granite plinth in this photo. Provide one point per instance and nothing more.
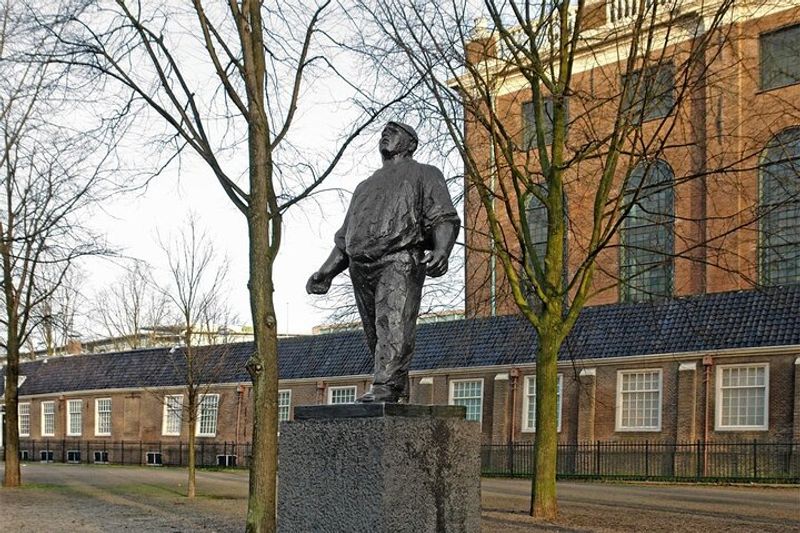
(379, 468)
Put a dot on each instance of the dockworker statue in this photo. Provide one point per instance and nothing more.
(401, 226)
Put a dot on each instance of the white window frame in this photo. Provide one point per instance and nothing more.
(526, 403)
(43, 427)
(167, 413)
(285, 393)
(641, 429)
(71, 431)
(341, 387)
(19, 419)
(200, 399)
(97, 431)
(451, 396)
(718, 399)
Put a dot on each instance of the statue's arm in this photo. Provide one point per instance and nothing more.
(335, 264)
(444, 237)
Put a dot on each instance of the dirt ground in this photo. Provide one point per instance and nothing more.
(92, 498)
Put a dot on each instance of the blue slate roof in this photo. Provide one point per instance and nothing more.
(745, 319)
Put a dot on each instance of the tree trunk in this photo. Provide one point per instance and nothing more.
(191, 462)
(543, 503)
(12, 476)
(263, 365)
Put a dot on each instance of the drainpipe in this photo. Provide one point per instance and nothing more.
(239, 393)
(708, 362)
(492, 186)
(514, 378)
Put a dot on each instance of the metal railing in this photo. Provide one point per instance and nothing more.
(740, 461)
(134, 452)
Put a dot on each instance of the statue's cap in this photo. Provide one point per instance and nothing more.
(405, 127)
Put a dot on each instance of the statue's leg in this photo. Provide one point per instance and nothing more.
(397, 300)
(363, 278)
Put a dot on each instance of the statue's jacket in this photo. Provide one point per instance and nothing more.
(396, 208)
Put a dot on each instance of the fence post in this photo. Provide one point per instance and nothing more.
(646, 458)
(63, 451)
(698, 455)
(202, 452)
(597, 459)
(180, 453)
(755, 459)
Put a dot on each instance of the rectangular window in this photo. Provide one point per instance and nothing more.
(529, 122)
(173, 410)
(742, 397)
(102, 417)
(779, 51)
(24, 414)
(226, 460)
(48, 419)
(207, 415)
(74, 417)
(46, 456)
(101, 457)
(284, 404)
(639, 400)
(339, 395)
(651, 92)
(154, 458)
(73, 456)
(24, 455)
(529, 404)
(468, 393)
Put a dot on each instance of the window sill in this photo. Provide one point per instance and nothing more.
(741, 428)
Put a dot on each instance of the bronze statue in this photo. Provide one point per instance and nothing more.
(400, 226)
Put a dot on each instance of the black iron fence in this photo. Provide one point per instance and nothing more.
(741, 461)
(227, 454)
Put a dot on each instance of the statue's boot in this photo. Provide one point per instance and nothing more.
(379, 394)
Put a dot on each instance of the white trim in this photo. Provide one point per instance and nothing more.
(166, 413)
(718, 398)
(289, 415)
(70, 432)
(200, 399)
(687, 366)
(426, 381)
(27, 433)
(526, 403)
(42, 425)
(588, 372)
(97, 432)
(797, 361)
(451, 399)
(501, 377)
(329, 393)
(618, 422)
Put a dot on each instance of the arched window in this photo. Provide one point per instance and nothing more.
(536, 213)
(647, 239)
(779, 209)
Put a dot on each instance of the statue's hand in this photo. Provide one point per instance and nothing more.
(435, 262)
(318, 284)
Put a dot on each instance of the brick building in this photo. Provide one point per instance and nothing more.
(728, 214)
(721, 367)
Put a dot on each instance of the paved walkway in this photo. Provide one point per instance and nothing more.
(85, 498)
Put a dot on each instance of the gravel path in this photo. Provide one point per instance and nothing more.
(89, 498)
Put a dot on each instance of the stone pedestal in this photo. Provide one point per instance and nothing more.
(379, 468)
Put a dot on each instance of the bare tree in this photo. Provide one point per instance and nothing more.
(607, 94)
(59, 313)
(263, 58)
(49, 175)
(196, 293)
(131, 307)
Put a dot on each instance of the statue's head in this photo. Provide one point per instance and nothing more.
(397, 139)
